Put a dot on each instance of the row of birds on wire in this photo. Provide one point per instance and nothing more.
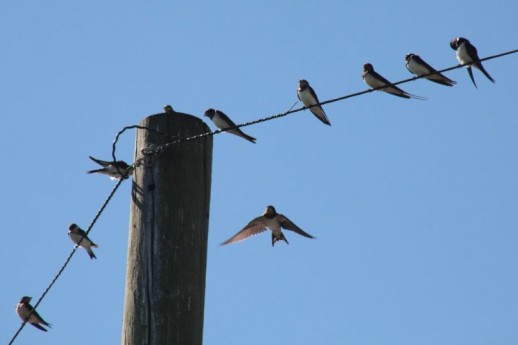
(466, 54)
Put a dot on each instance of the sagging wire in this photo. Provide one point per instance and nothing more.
(159, 149)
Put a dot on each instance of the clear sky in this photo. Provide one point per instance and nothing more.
(413, 203)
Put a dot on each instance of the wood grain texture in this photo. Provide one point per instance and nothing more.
(167, 251)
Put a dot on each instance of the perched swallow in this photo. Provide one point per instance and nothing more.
(309, 98)
(223, 122)
(23, 309)
(114, 170)
(374, 80)
(467, 54)
(419, 67)
(168, 109)
(76, 233)
(272, 220)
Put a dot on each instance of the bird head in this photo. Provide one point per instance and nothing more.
(456, 42)
(168, 109)
(25, 299)
(368, 67)
(210, 113)
(270, 211)
(409, 56)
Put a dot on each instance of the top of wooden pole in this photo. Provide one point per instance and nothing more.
(167, 252)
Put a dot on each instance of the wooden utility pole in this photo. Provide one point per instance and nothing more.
(167, 254)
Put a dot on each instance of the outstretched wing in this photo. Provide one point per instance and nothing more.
(256, 226)
(100, 162)
(289, 225)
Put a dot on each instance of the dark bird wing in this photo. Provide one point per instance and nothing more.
(378, 76)
(441, 79)
(470, 72)
(226, 118)
(37, 325)
(436, 76)
(317, 110)
(478, 65)
(80, 232)
(424, 63)
(289, 225)
(472, 52)
(43, 321)
(396, 91)
(104, 164)
(95, 171)
(235, 131)
(256, 226)
(122, 164)
(36, 316)
(388, 87)
(100, 162)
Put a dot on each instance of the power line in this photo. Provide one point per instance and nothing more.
(159, 149)
(419, 77)
(101, 210)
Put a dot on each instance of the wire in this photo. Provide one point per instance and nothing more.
(117, 138)
(101, 210)
(419, 77)
(159, 149)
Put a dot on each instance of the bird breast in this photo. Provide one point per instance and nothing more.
(274, 225)
(76, 237)
(306, 98)
(23, 311)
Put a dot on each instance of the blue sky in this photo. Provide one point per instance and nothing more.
(413, 203)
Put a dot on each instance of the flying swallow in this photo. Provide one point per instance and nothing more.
(467, 54)
(23, 309)
(272, 220)
(309, 98)
(223, 122)
(76, 233)
(419, 67)
(374, 80)
(114, 170)
(168, 109)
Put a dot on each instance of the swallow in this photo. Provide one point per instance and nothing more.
(168, 109)
(24, 308)
(76, 234)
(309, 98)
(419, 67)
(272, 220)
(223, 122)
(114, 170)
(374, 80)
(467, 54)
